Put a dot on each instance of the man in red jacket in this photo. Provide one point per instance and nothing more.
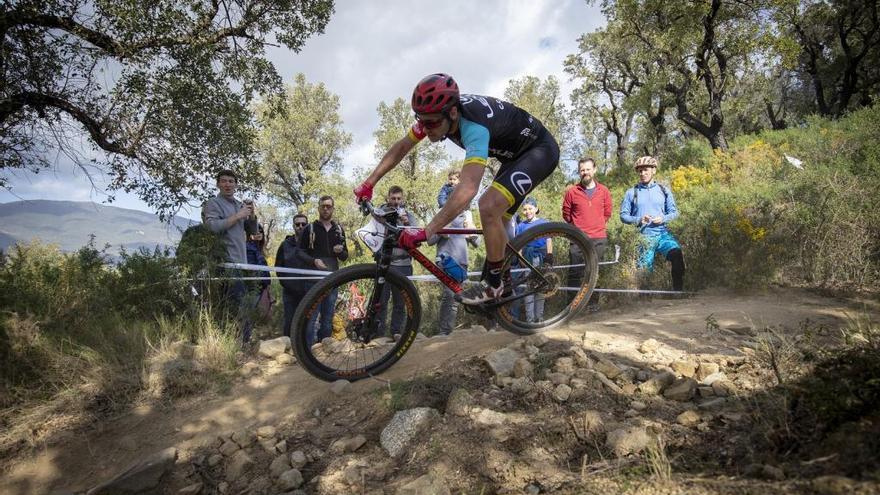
(587, 206)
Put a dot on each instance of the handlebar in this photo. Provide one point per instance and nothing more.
(367, 208)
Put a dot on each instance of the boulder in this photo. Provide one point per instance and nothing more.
(267, 431)
(348, 444)
(723, 388)
(298, 459)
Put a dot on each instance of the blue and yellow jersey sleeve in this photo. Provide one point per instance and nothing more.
(475, 140)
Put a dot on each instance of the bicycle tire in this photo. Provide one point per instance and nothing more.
(339, 279)
(579, 300)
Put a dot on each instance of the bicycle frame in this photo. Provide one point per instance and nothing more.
(389, 218)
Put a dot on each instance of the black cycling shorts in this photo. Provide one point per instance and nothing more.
(516, 178)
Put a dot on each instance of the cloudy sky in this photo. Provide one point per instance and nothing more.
(375, 51)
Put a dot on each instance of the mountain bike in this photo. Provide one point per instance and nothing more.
(363, 344)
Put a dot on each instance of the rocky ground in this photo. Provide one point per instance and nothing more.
(674, 397)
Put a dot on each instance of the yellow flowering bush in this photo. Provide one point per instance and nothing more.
(687, 177)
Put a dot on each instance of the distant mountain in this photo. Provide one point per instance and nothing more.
(69, 225)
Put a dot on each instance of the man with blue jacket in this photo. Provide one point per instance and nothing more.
(650, 206)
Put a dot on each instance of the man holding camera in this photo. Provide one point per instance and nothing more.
(226, 216)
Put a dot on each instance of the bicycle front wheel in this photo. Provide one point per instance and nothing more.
(336, 335)
(546, 295)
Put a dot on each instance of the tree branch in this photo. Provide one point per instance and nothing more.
(39, 101)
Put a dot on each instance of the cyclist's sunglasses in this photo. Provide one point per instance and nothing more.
(429, 124)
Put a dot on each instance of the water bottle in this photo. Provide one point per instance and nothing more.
(451, 267)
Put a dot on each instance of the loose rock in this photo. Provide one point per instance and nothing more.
(564, 365)
(425, 485)
(522, 368)
(688, 418)
(298, 459)
(285, 359)
(267, 431)
(459, 402)
(339, 387)
(649, 346)
(657, 383)
(682, 390)
(501, 362)
(630, 440)
(238, 465)
(275, 347)
(562, 392)
(194, 489)
(706, 369)
(279, 466)
(404, 427)
(290, 480)
(684, 368)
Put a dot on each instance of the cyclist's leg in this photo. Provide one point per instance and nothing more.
(500, 202)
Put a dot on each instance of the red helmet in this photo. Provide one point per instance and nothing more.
(435, 94)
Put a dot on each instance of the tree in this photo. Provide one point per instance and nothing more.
(694, 63)
(422, 171)
(542, 100)
(159, 90)
(300, 141)
(839, 55)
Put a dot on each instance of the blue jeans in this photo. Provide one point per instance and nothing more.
(326, 309)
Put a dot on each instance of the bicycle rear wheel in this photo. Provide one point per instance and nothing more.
(550, 295)
(358, 346)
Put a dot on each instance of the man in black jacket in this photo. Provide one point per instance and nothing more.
(322, 247)
(288, 257)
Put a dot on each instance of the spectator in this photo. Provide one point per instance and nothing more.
(651, 206)
(288, 257)
(537, 252)
(455, 247)
(226, 216)
(587, 205)
(255, 245)
(401, 262)
(453, 178)
(322, 246)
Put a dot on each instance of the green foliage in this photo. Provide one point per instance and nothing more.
(301, 140)
(176, 107)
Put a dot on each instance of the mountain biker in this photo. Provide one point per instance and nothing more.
(484, 127)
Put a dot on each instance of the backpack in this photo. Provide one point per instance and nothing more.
(635, 201)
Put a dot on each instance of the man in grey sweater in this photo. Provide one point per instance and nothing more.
(456, 247)
(401, 262)
(224, 215)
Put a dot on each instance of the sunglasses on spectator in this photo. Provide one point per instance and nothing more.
(326, 206)
(299, 224)
(429, 124)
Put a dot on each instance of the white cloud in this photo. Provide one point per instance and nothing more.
(376, 51)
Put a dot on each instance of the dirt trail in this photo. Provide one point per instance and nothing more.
(78, 462)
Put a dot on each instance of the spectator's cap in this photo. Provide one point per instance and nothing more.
(227, 173)
(531, 201)
(646, 161)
